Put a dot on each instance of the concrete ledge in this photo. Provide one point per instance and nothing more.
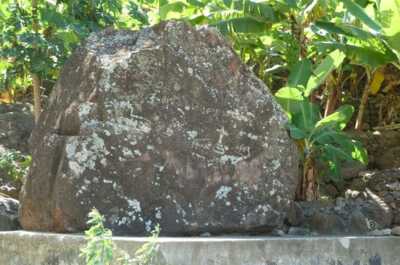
(29, 248)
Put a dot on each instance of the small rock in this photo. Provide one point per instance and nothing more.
(396, 231)
(329, 190)
(377, 210)
(358, 184)
(8, 214)
(352, 169)
(351, 194)
(327, 224)
(298, 231)
(340, 203)
(381, 232)
(295, 214)
(389, 159)
(358, 223)
(278, 232)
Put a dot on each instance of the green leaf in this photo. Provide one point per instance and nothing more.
(344, 29)
(359, 153)
(367, 56)
(307, 117)
(174, 7)
(300, 73)
(241, 25)
(331, 62)
(290, 99)
(389, 16)
(359, 13)
(296, 133)
(51, 17)
(338, 119)
(339, 152)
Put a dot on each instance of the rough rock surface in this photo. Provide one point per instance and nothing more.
(8, 214)
(358, 214)
(386, 184)
(16, 124)
(166, 126)
(383, 148)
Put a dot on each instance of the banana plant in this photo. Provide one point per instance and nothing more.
(369, 39)
(319, 139)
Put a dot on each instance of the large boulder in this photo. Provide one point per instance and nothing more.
(165, 126)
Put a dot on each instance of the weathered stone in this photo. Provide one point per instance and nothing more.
(16, 124)
(327, 223)
(8, 214)
(295, 215)
(385, 180)
(389, 159)
(382, 232)
(299, 231)
(379, 145)
(358, 223)
(352, 169)
(166, 126)
(396, 231)
(352, 216)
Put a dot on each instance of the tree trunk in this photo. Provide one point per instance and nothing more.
(35, 77)
(363, 103)
(36, 96)
(308, 187)
(333, 95)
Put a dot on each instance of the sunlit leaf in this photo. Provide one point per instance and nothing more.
(300, 73)
(330, 63)
(338, 119)
(359, 13)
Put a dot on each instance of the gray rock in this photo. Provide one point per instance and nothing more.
(16, 124)
(396, 231)
(327, 223)
(376, 210)
(352, 169)
(381, 232)
(358, 223)
(295, 215)
(8, 214)
(349, 216)
(299, 231)
(166, 126)
(389, 159)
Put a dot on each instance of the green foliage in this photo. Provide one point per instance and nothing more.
(61, 26)
(321, 138)
(100, 249)
(15, 165)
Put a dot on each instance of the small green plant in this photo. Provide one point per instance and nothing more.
(15, 165)
(101, 250)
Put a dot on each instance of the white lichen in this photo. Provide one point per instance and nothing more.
(222, 192)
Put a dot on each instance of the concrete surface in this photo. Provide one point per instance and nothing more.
(29, 248)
